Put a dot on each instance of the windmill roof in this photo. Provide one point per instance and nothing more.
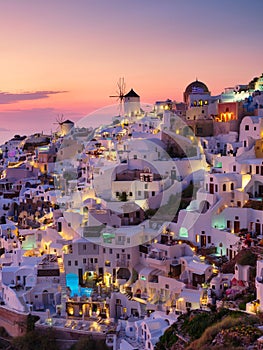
(131, 93)
(68, 122)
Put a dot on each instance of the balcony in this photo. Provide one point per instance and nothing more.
(122, 263)
(48, 266)
(49, 280)
(90, 267)
(152, 260)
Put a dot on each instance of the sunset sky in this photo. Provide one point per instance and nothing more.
(66, 56)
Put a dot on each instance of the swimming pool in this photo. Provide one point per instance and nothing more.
(72, 282)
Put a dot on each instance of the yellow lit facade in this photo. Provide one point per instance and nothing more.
(259, 147)
(225, 117)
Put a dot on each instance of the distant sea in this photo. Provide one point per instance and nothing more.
(41, 123)
(9, 134)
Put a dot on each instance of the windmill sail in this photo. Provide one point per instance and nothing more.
(120, 93)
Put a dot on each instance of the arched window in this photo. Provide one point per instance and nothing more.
(232, 186)
(224, 187)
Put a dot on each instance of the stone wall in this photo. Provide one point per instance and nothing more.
(15, 323)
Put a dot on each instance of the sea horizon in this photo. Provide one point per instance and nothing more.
(48, 125)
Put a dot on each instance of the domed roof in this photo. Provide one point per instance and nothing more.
(196, 87)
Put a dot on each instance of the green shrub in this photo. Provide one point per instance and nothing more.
(3, 333)
(167, 340)
(88, 343)
(36, 340)
(197, 324)
(209, 334)
(247, 258)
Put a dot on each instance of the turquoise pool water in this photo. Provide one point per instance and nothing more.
(72, 282)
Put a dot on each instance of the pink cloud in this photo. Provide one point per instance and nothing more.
(7, 97)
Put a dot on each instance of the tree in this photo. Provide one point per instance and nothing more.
(88, 343)
(167, 339)
(36, 340)
(31, 320)
(246, 257)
